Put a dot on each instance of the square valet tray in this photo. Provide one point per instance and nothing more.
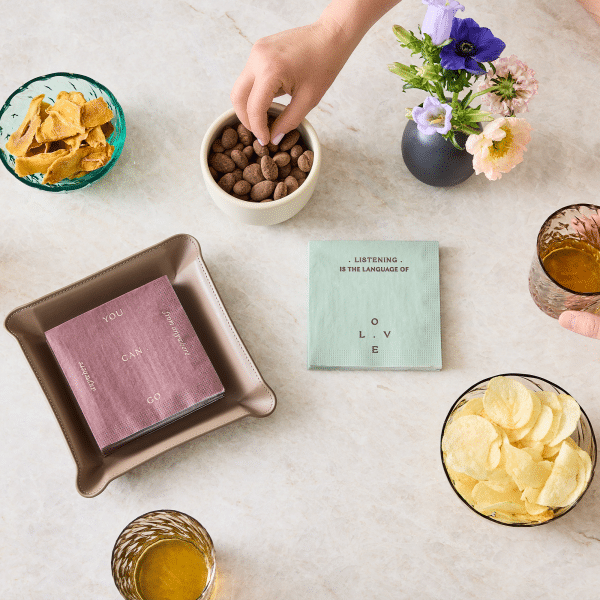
(178, 257)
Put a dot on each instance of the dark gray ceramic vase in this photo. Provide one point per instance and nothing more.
(433, 159)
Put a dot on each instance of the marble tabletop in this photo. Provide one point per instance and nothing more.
(340, 493)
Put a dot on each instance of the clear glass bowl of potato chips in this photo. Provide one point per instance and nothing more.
(61, 132)
(518, 450)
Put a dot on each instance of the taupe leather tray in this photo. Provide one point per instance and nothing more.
(179, 257)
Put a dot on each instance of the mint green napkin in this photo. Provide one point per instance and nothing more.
(374, 305)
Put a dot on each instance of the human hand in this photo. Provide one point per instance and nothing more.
(580, 322)
(301, 62)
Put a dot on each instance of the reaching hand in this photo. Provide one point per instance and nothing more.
(584, 323)
(301, 62)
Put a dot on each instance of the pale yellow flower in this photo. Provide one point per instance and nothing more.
(499, 147)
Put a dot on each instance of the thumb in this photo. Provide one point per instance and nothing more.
(301, 104)
(581, 322)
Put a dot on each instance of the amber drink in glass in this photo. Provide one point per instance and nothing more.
(565, 272)
(164, 554)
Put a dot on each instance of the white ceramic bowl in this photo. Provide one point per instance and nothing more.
(261, 213)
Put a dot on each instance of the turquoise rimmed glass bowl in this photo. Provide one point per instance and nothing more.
(14, 110)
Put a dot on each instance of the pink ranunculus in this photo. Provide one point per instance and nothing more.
(517, 85)
(499, 147)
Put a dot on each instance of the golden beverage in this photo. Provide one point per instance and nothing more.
(574, 264)
(171, 569)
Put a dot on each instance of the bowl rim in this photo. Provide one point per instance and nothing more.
(82, 182)
(245, 204)
(583, 413)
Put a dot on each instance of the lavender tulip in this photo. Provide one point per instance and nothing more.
(438, 19)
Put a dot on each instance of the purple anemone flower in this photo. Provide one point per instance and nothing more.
(438, 19)
(470, 45)
(433, 117)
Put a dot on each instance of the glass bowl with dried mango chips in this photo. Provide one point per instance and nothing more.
(518, 450)
(61, 132)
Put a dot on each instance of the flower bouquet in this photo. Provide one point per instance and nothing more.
(455, 53)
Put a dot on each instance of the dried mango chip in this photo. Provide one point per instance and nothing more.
(67, 165)
(20, 141)
(107, 129)
(64, 140)
(98, 158)
(95, 112)
(54, 128)
(95, 137)
(67, 111)
(38, 163)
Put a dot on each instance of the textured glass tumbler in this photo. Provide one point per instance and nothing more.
(149, 529)
(579, 222)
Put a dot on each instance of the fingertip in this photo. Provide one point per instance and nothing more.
(292, 115)
(239, 97)
(584, 323)
(567, 318)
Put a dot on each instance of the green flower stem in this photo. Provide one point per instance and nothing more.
(440, 92)
(489, 90)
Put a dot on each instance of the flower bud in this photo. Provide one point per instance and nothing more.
(404, 37)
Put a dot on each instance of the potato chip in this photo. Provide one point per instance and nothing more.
(488, 497)
(474, 406)
(523, 469)
(587, 463)
(522, 432)
(38, 163)
(509, 508)
(534, 449)
(508, 403)
(550, 399)
(467, 442)
(542, 425)
(550, 452)
(95, 112)
(530, 495)
(463, 483)
(569, 418)
(537, 510)
(564, 478)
